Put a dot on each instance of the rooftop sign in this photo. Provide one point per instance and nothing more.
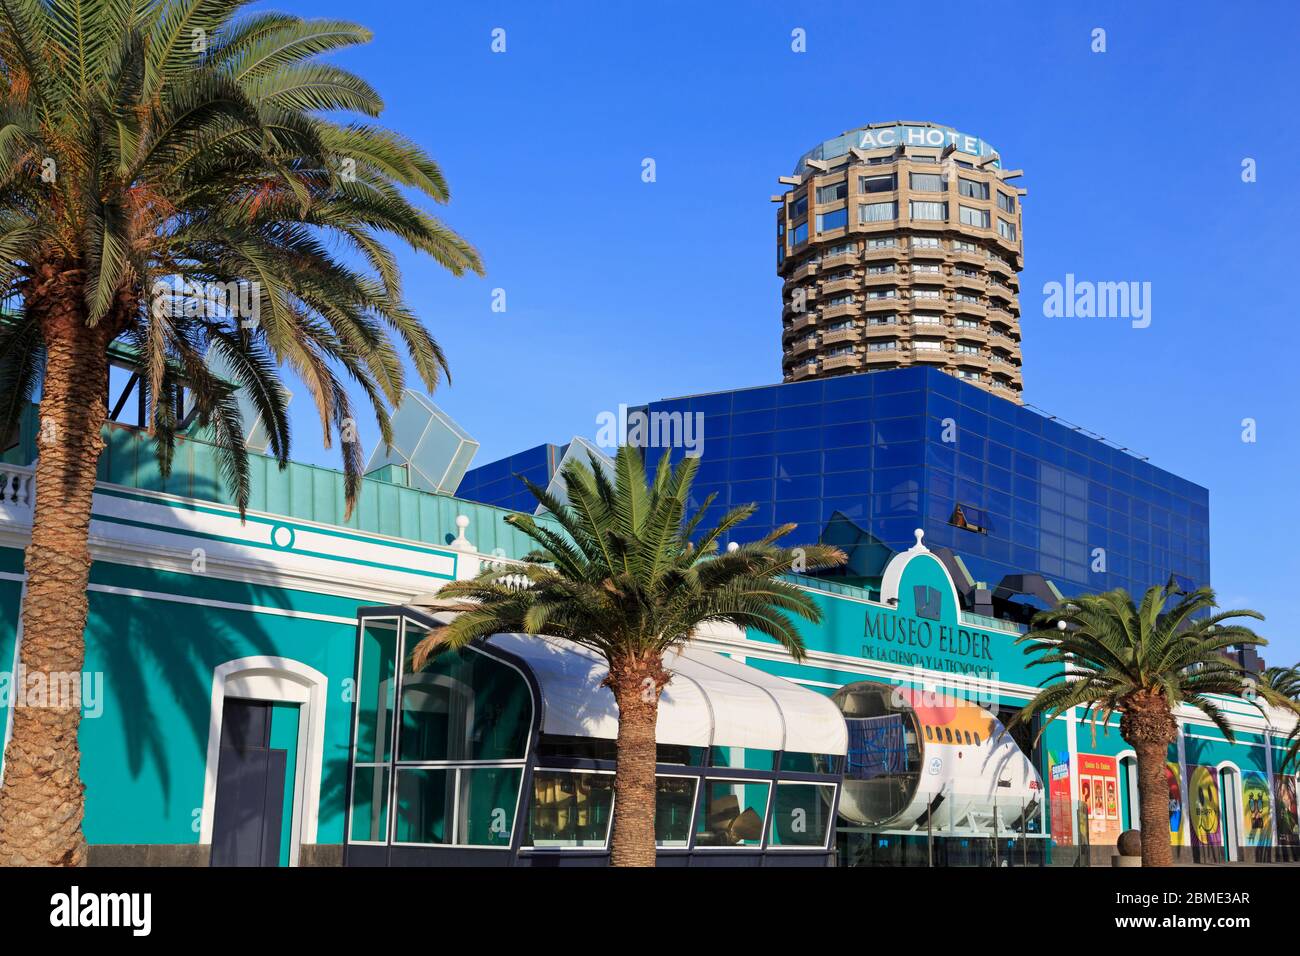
(900, 134)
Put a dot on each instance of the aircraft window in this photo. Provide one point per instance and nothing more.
(947, 731)
(968, 736)
(928, 734)
(977, 738)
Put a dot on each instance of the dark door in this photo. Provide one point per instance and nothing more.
(249, 807)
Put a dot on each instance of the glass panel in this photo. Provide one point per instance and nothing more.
(747, 758)
(732, 814)
(486, 810)
(376, 692)
(570, 808)
(369, 823)
(424, 803)
(801, 814)
(807, 763)
(463, 706)
(674, 801)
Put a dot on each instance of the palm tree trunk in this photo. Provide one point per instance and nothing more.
(1147, 723)
(1153, 797)
(41, 802)
(636, 683)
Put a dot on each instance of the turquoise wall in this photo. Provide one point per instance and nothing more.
(11, 562)
(143, 757)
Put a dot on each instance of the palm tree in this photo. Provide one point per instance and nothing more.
(1141, 662)
(1285, 682)
(624, 577)
(177, 179)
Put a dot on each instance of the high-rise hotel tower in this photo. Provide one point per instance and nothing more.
(899, 244)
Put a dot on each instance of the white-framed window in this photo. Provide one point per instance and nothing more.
(885, 318)
(844, 298)
(877, 212)
(924, 293)
(1007, 230)
(927, 318)
(880, 293)
(928, 345)
(931, 268)
(877, 184)
(926, 242)
(967, 297)
(887, 242)
(965, 349)
(972, 189)
(928, 211)
(832, 192)
(970, 216)
(884, 345)
(927, 183)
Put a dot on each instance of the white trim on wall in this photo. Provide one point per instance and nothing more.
(278, 679)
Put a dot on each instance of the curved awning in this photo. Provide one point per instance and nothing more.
(711, 700)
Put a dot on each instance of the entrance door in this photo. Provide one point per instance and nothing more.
(253, 811)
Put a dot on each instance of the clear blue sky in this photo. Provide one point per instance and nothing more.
(623, 291)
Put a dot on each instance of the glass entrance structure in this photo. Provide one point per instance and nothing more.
(502, 753)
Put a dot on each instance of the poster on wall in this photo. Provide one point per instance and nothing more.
(1203, 793)
(1174, 780)
(1288, 834)
(1256, 808)
(1099, 794)
(1058, 795)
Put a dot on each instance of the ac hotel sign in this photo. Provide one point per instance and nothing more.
(926, 136)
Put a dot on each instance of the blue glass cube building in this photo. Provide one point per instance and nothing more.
(1009, 490)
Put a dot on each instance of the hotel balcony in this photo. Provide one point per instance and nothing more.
(804, 344)
(835, 311)
(802, 321)
(850, 284)
(841, 361)
(841, 259)
(842, 335)
(931, 356)
(803, 371)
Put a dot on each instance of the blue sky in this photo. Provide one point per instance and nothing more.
(619, 290)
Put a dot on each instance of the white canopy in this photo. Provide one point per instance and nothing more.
(711, 700)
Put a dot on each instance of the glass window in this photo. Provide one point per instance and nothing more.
(971, 216)
(877, 212)
(1006, 230)
(972, 189)
(369, 819)
(833, 191)
(927, 182)
(463, 706)
(931, 211)
(801, 814)
(376, 691)
(838, 219)
(570, 808)
(800, 234)
(482, 801)
(424, 801)
(1006, 203)
(799, 208)
(876, 184)
(674, 804)
(732, 814)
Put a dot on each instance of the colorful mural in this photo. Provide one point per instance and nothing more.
(1175, 781)
(1206, 819)
(1288, 834)
(1257, 808)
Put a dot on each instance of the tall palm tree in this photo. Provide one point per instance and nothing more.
(625, 578)
(178, 178)
(1141, 662)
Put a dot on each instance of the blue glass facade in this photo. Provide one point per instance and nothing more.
(501, 480)
(897, 450)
